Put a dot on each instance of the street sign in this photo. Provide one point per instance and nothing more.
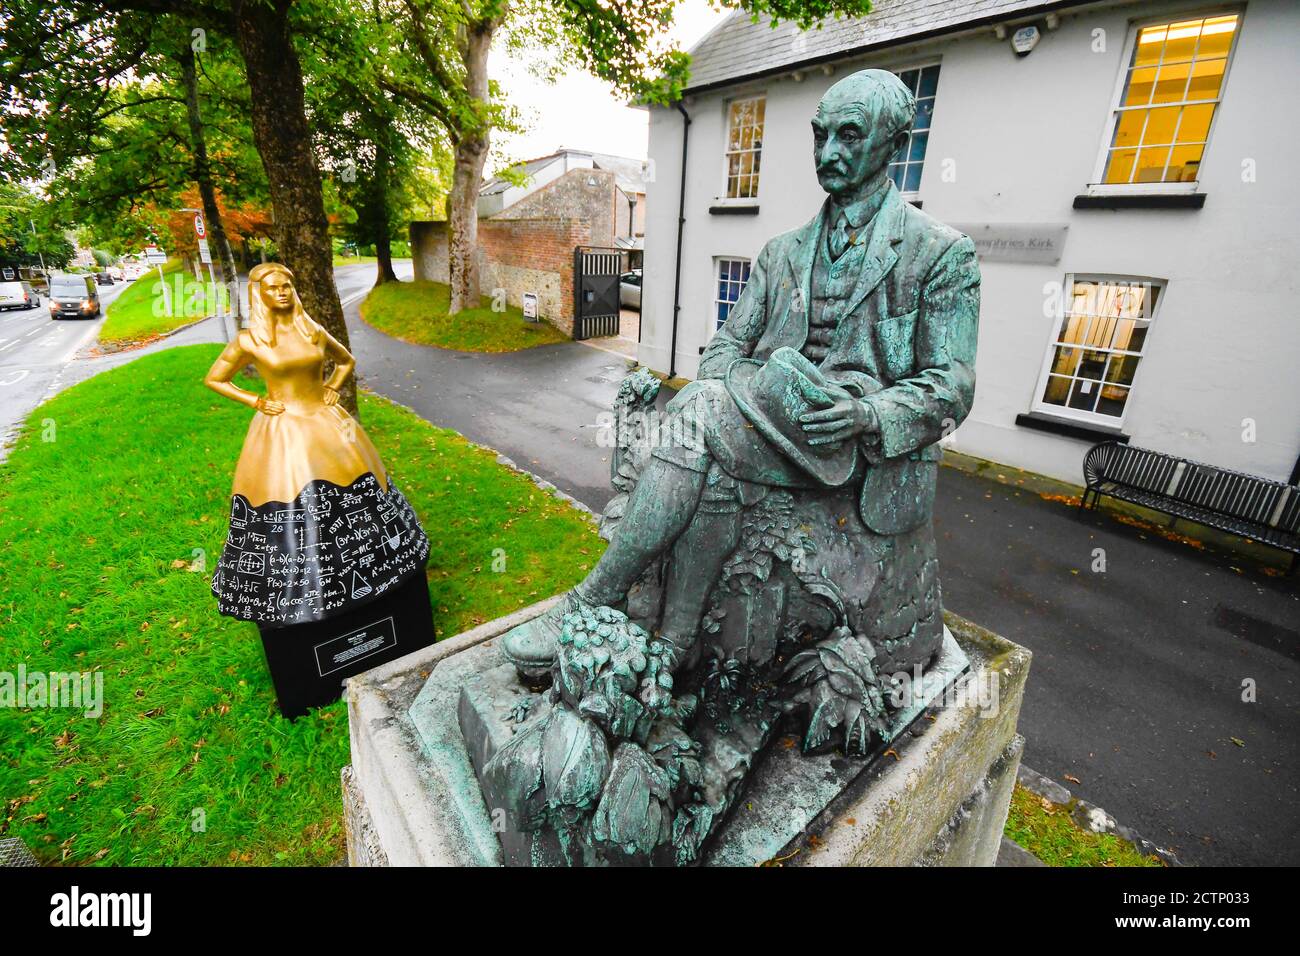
(200, 229)
(205, 254)
(530, 306)
(155, 255)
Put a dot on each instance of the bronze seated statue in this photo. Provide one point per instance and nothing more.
(772, 555)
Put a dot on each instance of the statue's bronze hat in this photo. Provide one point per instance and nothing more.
(773, 395)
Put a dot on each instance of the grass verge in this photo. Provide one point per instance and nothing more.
(139, 313)
(417, 312)
(113, 510)
(1048, 831)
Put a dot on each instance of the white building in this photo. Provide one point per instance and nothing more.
(1125, 169)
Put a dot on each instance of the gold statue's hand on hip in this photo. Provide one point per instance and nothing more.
(269, 406)
(331, 396)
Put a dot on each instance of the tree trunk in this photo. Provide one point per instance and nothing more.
(467, 176)
(283, 142)
(203, 177)
(383, 227)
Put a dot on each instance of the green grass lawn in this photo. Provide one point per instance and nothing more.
(353, 260)
(417, 312)
(137, 315)
(1047, 831)
(100, 529)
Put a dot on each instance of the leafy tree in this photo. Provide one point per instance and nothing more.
(439, 64)
(30, 230)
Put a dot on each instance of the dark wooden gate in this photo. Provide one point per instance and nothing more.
(595, 290)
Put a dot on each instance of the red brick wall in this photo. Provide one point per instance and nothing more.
(518, 255)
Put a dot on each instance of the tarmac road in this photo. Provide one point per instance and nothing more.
(35, 351)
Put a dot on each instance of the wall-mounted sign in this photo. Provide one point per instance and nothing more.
(1016, 241)
(530, 306)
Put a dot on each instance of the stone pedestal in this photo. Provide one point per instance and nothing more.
(939, 796)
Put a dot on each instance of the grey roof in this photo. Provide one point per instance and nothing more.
(629, 173)
(739, 48)
(500, 185)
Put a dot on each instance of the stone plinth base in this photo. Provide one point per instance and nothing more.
(939, 796)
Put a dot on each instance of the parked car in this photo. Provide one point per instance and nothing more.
(629, 290)
(104, 278)
(73, 297)
(18, 295)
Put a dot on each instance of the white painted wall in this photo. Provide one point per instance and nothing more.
(1025, 135)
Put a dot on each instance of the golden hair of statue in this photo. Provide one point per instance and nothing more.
(300, 433)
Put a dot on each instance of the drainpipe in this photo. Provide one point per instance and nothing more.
(681, 223)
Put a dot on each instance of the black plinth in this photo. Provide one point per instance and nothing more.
(309, 662)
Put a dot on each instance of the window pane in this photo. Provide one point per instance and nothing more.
(1160, 126)
(1119, 167)
(896, 174)
(1138, 338)
(1172, 83)
(1140, 84)
(929, 81)
(1128, 130)
(913, 181)
(1149, 45)
(1184, 164)
(1207, 77)
(1194, 127)
(919, 141)
(1083, 395)
(1057, 389)
(1151, 165)
(1121, 369)
(1092, 364)
(1073, 329)
(909, 78)
(924, 113)
(1066, 360)
(1216, 36)
(1180, 42)
(1111, 401)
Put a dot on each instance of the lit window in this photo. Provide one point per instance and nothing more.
(1173, 84)
(905, 167)
(744, 147)
(1090, 364)
(732, 276)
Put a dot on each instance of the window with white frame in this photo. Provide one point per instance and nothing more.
(732, 276)
(744, 146)
(1089, 368)
(905, 166)
(1172, 85)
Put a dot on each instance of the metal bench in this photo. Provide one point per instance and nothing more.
(1257, 508)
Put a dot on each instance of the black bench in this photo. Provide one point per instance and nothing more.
(1248, 505)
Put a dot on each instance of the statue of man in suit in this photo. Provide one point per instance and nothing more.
(849, 354)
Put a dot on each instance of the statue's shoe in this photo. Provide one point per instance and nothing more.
(532, 646)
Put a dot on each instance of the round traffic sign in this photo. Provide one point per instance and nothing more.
(199, 229)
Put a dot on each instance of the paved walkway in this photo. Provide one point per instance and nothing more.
(1136, 686)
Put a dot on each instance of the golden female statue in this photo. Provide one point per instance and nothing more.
(316, 526)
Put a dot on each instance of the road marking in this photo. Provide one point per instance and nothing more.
(21, 374)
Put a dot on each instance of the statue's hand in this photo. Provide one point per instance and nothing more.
(331, 396)
(269, 406)
(847, 418)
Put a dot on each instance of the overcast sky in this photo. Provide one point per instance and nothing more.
(579, 111)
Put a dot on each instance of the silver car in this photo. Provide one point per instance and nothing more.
(629, 290)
